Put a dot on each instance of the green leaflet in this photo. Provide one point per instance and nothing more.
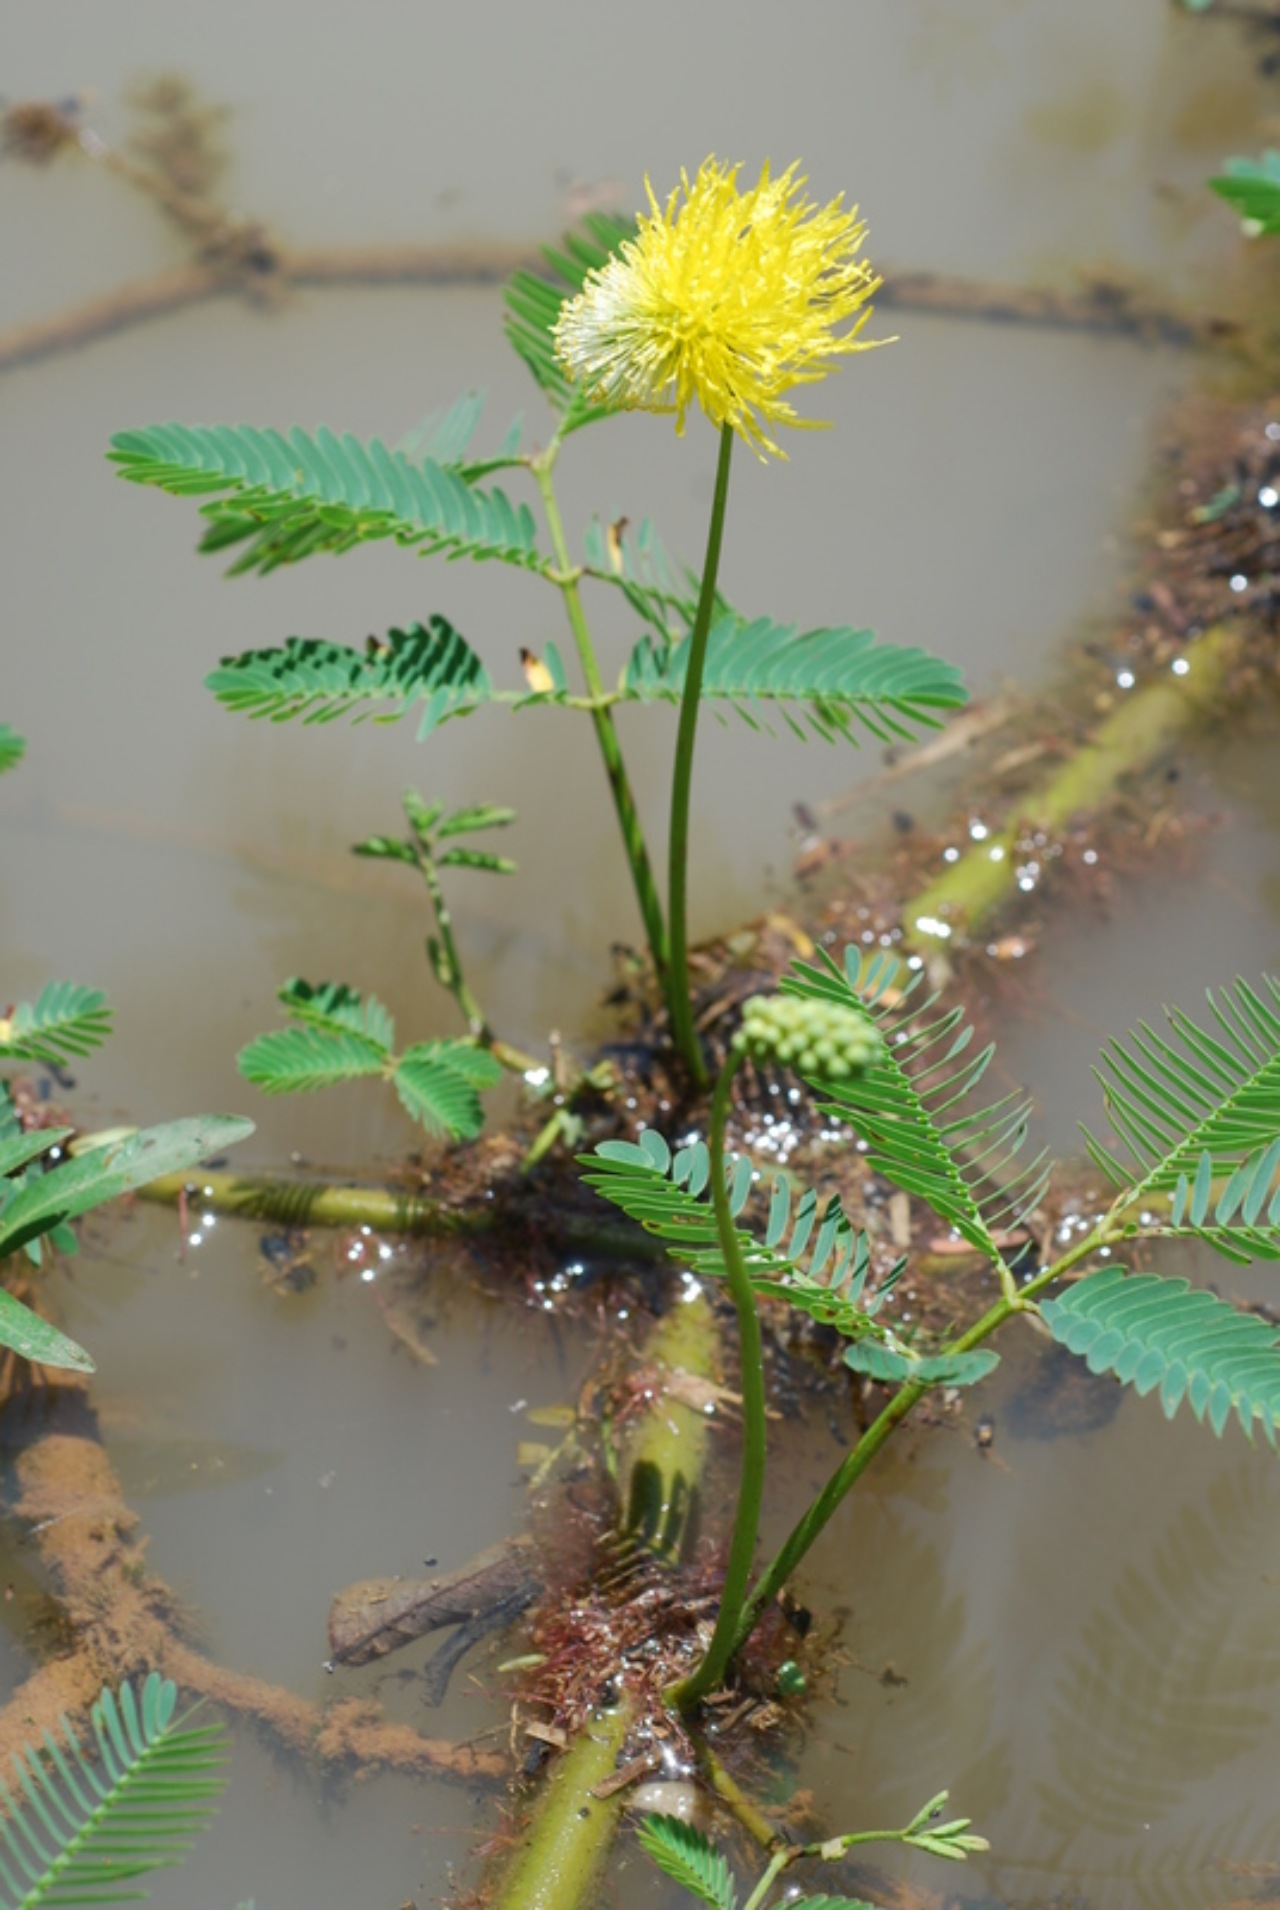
(87, 1829)
(1252, 186)
(688, 1856)
(1156, 1332)
(289, 498)
(12, 747)
(433, 667)
(533, 302)
(440, 1082)
(64, 1021)
(300, 1060)
(914, 1109)
(895, 1367)
(1217, 1093)
(828, 683)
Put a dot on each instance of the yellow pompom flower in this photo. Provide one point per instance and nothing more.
(729, 297)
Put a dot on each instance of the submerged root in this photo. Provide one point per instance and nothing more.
(121, 1622)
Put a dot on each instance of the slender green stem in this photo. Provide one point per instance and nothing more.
(450, 971)
(624, 801)
(855, 1463)
(777, 1864)
(679, 1005)
(710, 1673)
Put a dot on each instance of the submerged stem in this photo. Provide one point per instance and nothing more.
(624, 801)
(679, 1005)
(710, 1673)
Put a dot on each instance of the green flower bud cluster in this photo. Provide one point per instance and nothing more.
(813, 1037)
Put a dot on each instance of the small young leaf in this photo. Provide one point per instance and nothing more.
(482, 816)
(64, 1021)
(421, 816)
(388, 848)
(690, 1858)
(476, 859)
(338, 1008)
(12, 747)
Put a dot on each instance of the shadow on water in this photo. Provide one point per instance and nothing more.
(1073, 1632)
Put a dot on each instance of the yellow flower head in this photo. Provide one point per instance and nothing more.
(730, 298)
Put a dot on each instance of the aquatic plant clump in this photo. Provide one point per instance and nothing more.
(816, 1038)
(731, 298)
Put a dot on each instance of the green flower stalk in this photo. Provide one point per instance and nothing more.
(729, 299)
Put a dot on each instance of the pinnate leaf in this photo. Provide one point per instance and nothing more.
(1155, 1332)
(299, 1060)
(440, 1083)
(64, 1021)
(690, 1858)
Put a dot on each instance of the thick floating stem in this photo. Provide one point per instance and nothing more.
(1149, 721)
(319, 1203)
(567, 1840)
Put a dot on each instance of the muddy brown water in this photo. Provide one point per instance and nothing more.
(1078, 1630)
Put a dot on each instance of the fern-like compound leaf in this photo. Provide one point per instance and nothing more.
(300, 1060)
(690, 1857)
(916, 1109)
(340, 1009)
(533, 302)
(12, 747)
(825, 683)
(811, 1257)
(1199, 1108)
(85, 1831)
(64, 1021)
(289, 498)
(430, 668)
(1154, 1332)
(440, 1083)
